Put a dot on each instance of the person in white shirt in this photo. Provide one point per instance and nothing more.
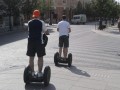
(64, 29)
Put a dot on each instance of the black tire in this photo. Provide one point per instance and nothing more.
(69, 60)
(26, 75)
(47, 75)
(56, 56)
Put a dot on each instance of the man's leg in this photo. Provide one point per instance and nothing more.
(60, 51)
(60, 46)
(65, 51)
(31, 63)
(66, 45)
(40, 64)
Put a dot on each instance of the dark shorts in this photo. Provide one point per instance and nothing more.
(35, 46)
(64, 41)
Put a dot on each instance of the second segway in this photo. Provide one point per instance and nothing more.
(58, 59)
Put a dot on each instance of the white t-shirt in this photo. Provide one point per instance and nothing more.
(63, 27)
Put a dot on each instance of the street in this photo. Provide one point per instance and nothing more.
(95, 66)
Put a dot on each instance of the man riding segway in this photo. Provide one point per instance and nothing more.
(37, 41)
(64, 29)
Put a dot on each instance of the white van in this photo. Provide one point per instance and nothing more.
(79, 19)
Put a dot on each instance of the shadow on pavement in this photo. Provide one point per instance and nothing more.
(12, 37)
(39, 86)
(75, 70)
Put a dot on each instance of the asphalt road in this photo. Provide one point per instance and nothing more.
(96, 61)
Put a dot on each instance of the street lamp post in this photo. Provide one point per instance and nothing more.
(100, 19)
(9, 14)
(50, 23)
(70, 14)
(70, 10)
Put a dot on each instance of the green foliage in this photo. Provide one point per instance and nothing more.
(12, 6)
(28, 6)
(2, 6)
(105, 8)
(78, 9)
(88, 10)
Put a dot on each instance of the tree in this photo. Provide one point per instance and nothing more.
(12, 6)
(45, 6)
(79, 8)
(105, 8)
(2, 6)
(88, 10)
(28, 6)
(12, 9)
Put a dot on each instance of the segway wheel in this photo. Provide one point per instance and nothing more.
(47, 75)
(69, 60)
(26, 76)
(56, 56)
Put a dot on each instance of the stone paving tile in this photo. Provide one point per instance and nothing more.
(14, 87)
(80, 88)
(95, 63)
(93, 84)
(111, 88)
(62, 84)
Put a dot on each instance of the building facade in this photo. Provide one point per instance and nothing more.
(66, 7)
(63, 7)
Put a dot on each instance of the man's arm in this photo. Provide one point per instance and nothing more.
(69, 30)
(44, 29)
(69, 27)
(58, 27)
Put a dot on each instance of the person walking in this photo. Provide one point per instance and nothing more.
(119, 24)
(36, 29)
(64, 29)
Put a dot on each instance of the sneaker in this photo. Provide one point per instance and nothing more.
(40, 74)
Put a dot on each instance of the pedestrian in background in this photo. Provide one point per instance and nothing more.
(119, 24)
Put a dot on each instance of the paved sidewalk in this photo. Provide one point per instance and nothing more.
(96, 65)
(14, 29)
(64, 78)
(109, 31)
(22, 28)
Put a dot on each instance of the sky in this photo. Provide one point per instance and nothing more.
(118, 0)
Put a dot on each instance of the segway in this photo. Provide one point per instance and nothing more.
(58, 59)
(28, 78)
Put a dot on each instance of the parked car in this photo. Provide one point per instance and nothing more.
(79, 19)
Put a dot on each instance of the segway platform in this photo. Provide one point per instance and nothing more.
(62, 60)
(58, 59)
(28, 78)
